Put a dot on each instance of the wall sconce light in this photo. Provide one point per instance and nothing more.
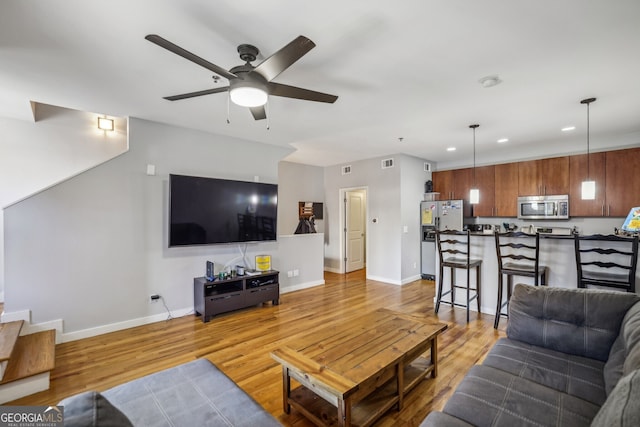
(474, 193)
(588, 185)
(105, 124)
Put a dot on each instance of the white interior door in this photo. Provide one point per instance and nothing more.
(354, 230)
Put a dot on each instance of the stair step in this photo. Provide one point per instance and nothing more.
(9, 333)
(33, 354)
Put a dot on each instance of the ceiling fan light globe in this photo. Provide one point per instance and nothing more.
(245, 96)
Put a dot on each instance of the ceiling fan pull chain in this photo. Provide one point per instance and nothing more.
(266, 107)
(228, 99)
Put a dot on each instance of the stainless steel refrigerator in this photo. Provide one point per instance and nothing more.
(436, 215)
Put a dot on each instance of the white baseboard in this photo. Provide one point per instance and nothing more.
(12, 316)
(301, 286)
(333, 270)
(411, 279)
(24, 387)
(112, 327)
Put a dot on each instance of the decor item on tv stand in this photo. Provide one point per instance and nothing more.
(223, 295)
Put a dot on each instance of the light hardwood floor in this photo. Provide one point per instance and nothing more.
(239, 343)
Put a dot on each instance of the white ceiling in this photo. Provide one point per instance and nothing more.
(408, 69)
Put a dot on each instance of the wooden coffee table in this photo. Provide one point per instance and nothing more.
(354, 373)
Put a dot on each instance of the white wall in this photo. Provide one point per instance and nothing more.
(392, 202)
(303, 183)
(59, 144)
(92, 249)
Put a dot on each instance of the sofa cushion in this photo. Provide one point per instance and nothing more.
(624, 356)
(574, 375)
(622, 408)
(584, 322)
(612, 371)
(92, 409)
(492, 397)
(631, 335)
(195, 394)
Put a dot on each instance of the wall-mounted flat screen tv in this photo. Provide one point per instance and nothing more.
(207, 211)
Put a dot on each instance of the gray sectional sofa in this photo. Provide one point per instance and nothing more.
(196, 393)
(571, 358)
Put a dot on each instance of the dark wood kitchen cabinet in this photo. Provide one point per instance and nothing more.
(486, 183)
(453, 185)
(578, 172)
(622, 190)
(613, 172)
(543, 177)
(506, 190)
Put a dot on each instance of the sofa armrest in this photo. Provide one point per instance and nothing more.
(440, 419)
(584, 322)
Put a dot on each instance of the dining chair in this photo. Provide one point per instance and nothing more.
(454, 249)
(518, 255)
(606, 260)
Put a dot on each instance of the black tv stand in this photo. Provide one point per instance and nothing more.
(220, 296)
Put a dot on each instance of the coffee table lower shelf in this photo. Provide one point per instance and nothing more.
(365, 412)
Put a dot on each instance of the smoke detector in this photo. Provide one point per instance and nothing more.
(490, 81)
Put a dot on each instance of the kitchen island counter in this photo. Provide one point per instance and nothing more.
(556, 252)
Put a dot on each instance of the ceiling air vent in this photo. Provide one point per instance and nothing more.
(387, 163)
(346, 170)
(427, 167)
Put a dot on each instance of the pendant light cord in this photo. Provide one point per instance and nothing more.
(474, 152)
(588, 166)
(588, 101)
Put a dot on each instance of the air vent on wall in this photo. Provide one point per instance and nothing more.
(346, 170)
(387, 163)
(427, 167)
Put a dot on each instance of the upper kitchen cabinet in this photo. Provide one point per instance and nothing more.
(443, 183)
(543, 177)
(485, 182)
(454, 185)
(579, 172)
(622, 191)
(506, 190)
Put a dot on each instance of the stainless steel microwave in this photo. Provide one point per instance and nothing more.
(543, 207)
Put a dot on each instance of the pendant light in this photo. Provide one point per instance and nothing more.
(588, 186)
(474, 193)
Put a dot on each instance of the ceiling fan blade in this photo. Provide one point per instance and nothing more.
(282, 59)
(198, 93)
(153, 38)
(259, 113)
(278, 89)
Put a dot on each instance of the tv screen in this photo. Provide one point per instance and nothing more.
(206, 211)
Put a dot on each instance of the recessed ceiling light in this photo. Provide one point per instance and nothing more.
(451, 149)
(502, 140)
(568, 129)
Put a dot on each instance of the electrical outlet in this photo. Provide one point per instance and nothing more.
(296, 272)
(155, 298)
(289, 273)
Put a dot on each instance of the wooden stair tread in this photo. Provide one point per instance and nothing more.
(9, 332)
(33, 354)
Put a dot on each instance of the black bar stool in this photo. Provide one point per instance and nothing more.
(606, 260)
(518, 255)
(454, 253)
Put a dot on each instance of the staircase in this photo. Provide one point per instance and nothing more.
(25, 361)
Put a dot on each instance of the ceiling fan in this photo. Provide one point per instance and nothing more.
(250, 86)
